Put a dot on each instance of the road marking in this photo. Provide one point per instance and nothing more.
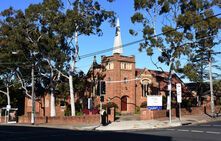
(210, 132)
(170, 129)
(183, 130)
(197, 131)
(217, 125)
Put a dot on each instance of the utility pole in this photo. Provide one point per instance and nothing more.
(170, 88)
(211, 85)
(100, 103)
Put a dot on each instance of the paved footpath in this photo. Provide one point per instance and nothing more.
(159, 123)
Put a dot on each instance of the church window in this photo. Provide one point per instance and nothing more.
(126, 66)
(110, 66)
(145, 90)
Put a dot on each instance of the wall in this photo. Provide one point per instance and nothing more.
(2, 119)
(77, 120)
(148, 114)
(42, 106)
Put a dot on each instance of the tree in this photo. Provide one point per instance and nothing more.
(85, 18)
(45, 27)
(187, 27)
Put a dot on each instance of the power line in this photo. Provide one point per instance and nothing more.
(188, 43)
(135, 42)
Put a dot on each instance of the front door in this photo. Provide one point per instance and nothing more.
(124, 103)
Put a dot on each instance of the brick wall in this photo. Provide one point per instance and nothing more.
(148, 114)
(77, 120)
(115, 91)
(2, 119)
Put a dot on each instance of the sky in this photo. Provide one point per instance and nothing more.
(89, 44)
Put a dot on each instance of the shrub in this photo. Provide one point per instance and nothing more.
(143, 104)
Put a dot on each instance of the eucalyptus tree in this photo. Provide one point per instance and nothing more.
(84, 18)
(43, 36)
(177, 28)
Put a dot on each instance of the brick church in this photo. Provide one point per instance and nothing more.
(126, 85)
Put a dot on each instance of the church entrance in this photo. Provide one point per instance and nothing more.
(124, 103)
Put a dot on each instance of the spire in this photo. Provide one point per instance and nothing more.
(117, 39)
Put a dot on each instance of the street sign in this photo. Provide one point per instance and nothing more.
(179, 92)
(154, 102)
(89, 103)
(169, 87)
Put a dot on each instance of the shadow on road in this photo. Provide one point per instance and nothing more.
(17, 133)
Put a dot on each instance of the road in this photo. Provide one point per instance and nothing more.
(202, 132)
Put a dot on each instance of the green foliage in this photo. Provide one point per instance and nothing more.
(108, 105)
(3, 100)
(67, 111)
(143, 104)
(217, 87)
(137, 17)
(137, 110)
(189, 28)
(42, 35)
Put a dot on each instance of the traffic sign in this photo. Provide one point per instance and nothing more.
(179, 92)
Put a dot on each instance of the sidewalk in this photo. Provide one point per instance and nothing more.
(159, 123)
(131, 124)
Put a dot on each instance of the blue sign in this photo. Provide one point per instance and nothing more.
(154, 107)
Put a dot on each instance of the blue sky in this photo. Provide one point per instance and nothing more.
(90, 44)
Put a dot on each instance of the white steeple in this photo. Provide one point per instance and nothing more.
(117, 39)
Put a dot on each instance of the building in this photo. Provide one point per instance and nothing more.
(126, 85)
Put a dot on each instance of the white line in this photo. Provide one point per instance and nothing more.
(210, 132)
(170, 129)
(183, 130)
(217, 125)
(197, 131)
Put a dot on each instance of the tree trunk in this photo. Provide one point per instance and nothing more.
(72, 95)
(8, 96)
(53, 107)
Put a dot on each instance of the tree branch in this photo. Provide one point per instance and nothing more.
(29, 38)
(3, 92)
(62, 73)
(22, 84)
(155, 64)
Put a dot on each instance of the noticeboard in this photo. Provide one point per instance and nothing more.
(154, 102)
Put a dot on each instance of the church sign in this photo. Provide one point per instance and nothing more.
(154, 102)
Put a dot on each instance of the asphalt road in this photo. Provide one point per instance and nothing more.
(203, 132)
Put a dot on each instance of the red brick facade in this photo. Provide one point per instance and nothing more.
(124, 82)
(42, 107)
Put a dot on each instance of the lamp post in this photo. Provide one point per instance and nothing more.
(170, 89)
